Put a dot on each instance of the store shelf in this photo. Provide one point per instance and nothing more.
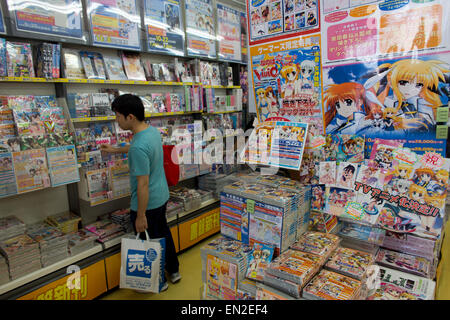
(95, 81)
(221, 112)
(221, 87)
(203, 205)
(92, 119)
(113, 242)
(148, 115)
(47, 270)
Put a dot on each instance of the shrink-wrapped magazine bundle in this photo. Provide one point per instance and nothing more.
(11, 226)
(350, 262)
(105, 230)
(80, 241)
(65, 221)
(318, 243)
(328, 285)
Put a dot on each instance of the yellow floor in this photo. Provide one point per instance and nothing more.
(189, 288)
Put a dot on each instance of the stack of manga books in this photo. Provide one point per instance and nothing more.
(52, 242)
(11, 226)
(404, 262)
(214, 182)
(93, 65)
(317, 243)
(23, 255)
(66, 221)
(81, 241)
(397, 285)
(4, 271)
(190, 198)
(328, 285)
(105, 230)
(122, 218)
(264, 292)
(246, 290)
(350, 262)
(292, 270)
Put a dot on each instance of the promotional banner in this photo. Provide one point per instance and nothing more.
(229, 33)
(287, 82)
(399, 98)
(51, 17)
(164, 26)
(115, 23)
(353, 30)
(200, 28)
(276, 19)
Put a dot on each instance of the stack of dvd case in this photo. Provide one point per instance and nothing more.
(66, 221)
(4, 272)
(318, 243)
(122, 218)
(52, 243)
(81, 241)
(105, 230)
(328, 285)
(294, 266)
(228, 250)
(350, 262)
(23, 255)
(11, 226)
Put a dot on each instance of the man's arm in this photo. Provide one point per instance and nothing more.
(142, 196)
(110, 149)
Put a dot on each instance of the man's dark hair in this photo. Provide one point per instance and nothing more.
(129, 104)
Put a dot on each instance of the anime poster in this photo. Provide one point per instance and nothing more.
(229, 33)
(272, 19)
(62, 165)
(164, 26)
(31, 170)
(115, 23)
(287, 80)
(400, 99)
(8, 185)
(368, 29)
(51, 17)
(221, 278)
(200, 28)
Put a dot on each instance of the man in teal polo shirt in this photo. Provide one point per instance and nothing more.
(149, 190)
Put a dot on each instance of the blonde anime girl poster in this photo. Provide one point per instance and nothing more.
(393, 99)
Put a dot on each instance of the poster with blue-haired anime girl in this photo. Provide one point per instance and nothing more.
(397, 98)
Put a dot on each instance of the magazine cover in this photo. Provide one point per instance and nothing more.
(19, 59)
(73, 67)
(99, 186)
(286, 79)
(114, 67)
(327, 172)
(62, 165)
(31, 170)
(344, 147)
(164, 26)
(200, 28)
(329, 285)
(260, 258)
(120, 178)
(8, 184)
(350, 262)
(133, 67)
(404, 262)
(221, 278)
(93, 65)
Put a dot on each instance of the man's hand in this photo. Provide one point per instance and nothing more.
(107, 148)
(141, 223)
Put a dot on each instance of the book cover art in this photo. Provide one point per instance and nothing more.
(350, 262)
(73, 66)
(260, 258)
(114, 67)
(93, 65)
(19, 59)
(133, 67)
(221, 278)
(31, 170)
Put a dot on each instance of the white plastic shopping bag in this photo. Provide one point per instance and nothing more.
(142, 264)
